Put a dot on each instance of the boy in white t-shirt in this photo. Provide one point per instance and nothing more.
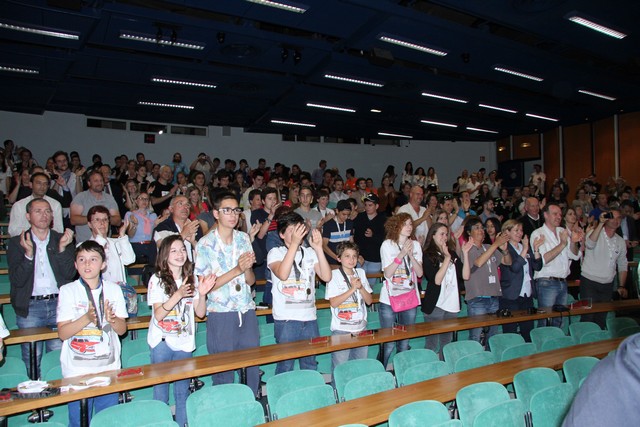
(293, 269)
(91, 315)
(349, 294)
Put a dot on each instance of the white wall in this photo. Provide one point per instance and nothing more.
(44, 134)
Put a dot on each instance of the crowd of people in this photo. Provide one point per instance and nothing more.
(210, 230)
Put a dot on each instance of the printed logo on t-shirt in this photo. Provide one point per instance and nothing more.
(178, 321)
(92, 344)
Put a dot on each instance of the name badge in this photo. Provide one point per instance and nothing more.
(492, 279)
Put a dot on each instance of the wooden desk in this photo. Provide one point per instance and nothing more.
(375, 409)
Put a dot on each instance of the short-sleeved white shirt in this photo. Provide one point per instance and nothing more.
(91, 350)
(294, 298)
(351, 315)
(178, 327)
(402, 280)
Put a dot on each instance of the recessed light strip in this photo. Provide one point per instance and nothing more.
(580, 20)
(331, 107)
(480, 130)
(152, 39)
(183, 82)
(518, 73)
(537, 116)
(446, 98)
(395, 135)
(493, 107)
(597, 95)
(40, 31)
(165, 105)
(431, 122)
(353, 80)
(287, 122)
(289, 7)
(23, 70)
(375, 110)
(412, 45)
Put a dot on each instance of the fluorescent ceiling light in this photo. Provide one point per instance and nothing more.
(288, 6)
(162, 104)
(331, 107)
(394, 135)
(287, 122)
(183, 82)
(517, 73)
(431, 122)
(589, 23)
(480, 130)
(537, 116)
(375, 110)
(493, 107)
(446, 98)
(411, 45)
(41, 31)
(353, 80)
(12, 69)
(597, 95)
(148, 38)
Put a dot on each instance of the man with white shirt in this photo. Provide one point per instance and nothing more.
(18, 221)
(258, 183)
(419, 213)
(338, 193)
(556, 251)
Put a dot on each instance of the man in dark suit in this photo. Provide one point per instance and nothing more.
(179, 223)
(531, 219)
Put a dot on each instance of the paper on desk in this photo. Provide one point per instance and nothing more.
(91, 382)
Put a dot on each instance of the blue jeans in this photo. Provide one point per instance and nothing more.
(42, 313)
(437, 342)
(95, 404)
(372, 268)
(162, 353)
(480, 305)
(295, 330)
(341, 356)
(387, 318)
(551, 292)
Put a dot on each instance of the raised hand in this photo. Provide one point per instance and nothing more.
(299, 231)
(26, 243)
(91, 315)
(315, 240)
(186, 290)
(466, 247)
(525, 241)
(564, 237)
(246, 261)
(206, 283)
(502, 239)
(109, 312)
(253, 231)
(65, 239)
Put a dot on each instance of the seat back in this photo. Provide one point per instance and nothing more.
(629, 330)
(578, 329)
(473, 361)
(615, 325)
(13, 365)
(297, 402)
(347, 371)
(424, 372)
(595, 336)
(550, 405)
(131, 347)
(239, 415)
(540, 335)
(217, 396)
(509, 413)
(286, 382)
(369, 384)
(521, 350)
(50, 360)
(130, 414)
(528, 382)
(406, 359)
(138, 359)
(474, 398)
(500, 342)
(558, 342)
(577, 368)
(419, 414)
(12, 380)
(457, 349)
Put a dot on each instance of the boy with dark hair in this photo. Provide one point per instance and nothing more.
(91, 315)
(294, 269)
(336, 231)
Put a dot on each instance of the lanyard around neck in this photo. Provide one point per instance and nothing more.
(99, 315)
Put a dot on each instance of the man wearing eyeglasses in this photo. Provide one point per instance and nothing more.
(231, 315)
(179, 223)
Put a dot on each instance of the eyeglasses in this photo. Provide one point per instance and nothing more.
(229, 211)
(143, 198)
(478, 227)
(99, 219)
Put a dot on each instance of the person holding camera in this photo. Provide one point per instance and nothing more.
(605, 250)
(515, 279)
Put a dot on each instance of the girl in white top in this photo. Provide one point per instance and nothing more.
(401, 257)
(349, 294)
(175, 300)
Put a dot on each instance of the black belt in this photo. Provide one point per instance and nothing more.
(559, 279)
(43, 297)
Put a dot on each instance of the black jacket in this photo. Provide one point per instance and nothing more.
(22, 269)
(511, 276)
(432, 293)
